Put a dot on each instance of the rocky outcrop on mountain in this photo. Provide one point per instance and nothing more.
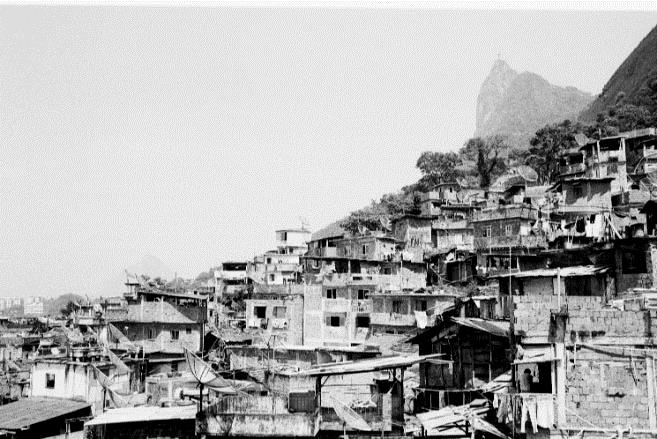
(635, 78)
(516, 105)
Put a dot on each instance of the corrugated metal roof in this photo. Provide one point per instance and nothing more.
(30, 411)
(579, 270)
(494, 327)
(368, 365)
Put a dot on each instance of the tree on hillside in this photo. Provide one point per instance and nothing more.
(69, 308)
(378, 213)
(436, 168)
(547, 145)
(489, 155)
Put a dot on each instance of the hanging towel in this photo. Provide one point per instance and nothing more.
(545, 411)
(503, 410)
(421, 319)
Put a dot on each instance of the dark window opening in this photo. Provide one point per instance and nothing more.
(397, 306)
(362, 294)
(175, 334)
(50, 381)
(260, 312)
(331, 293)
(362, 322)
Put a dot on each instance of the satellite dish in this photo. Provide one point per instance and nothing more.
(581, 139)
(527, 173)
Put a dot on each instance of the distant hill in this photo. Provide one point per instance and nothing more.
(149, 265)
(631, 78)
(516, 104)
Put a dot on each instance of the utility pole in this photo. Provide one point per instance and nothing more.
(512, 336)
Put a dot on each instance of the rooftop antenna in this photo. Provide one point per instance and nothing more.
(304, 222)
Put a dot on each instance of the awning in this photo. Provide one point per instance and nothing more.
(536, 354)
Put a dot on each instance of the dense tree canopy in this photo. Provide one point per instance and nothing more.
(489, 155)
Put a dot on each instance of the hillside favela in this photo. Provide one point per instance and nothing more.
(509, 292)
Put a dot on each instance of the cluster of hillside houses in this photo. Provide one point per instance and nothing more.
(514, 310)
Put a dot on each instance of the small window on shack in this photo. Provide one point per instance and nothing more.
(534, 377)
(634, 261)
(260, 312)
(333, 321)
(421, 305)
(508, 230)
(397, 306)
(50, 381)
(279, 312)
(331, 293)
(364, 249)
(362, 322)
(175, 334)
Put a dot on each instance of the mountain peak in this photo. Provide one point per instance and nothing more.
(632, 78)
(516, 104)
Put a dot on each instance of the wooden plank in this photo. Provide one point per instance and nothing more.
(650, 376)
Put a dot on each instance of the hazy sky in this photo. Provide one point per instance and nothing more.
(193, 133)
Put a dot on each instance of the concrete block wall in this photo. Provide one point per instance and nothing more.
(588, 318)
(606, 390)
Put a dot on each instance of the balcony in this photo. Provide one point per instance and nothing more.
(281, 267)
(575, 168)
(364, 306)
(514, 212)
(496, 242)
(392, 319)
(417, 280)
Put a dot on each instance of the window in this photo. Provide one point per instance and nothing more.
(331, 293)
(175, 334)
(272, 277)
(362, 322)
(421, 305)
(364, 249)
(279, 312)
(260, 311)
(508, 230)
(486, 232)
(188, 330)
(397, 306)
(50, 381)
(151, 333)
(269, 260)
(335, 321)
(578, 191)
(362, 294)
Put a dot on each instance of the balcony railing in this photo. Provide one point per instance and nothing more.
(505, 213)
(572, 169)
(364, 305)
(538, 241)
(392, 319)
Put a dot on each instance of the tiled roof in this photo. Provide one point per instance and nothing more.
(156, 312)
(331, 231)
(29, 411)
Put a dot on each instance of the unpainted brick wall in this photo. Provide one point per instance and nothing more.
(606, 390)
(588, 318)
